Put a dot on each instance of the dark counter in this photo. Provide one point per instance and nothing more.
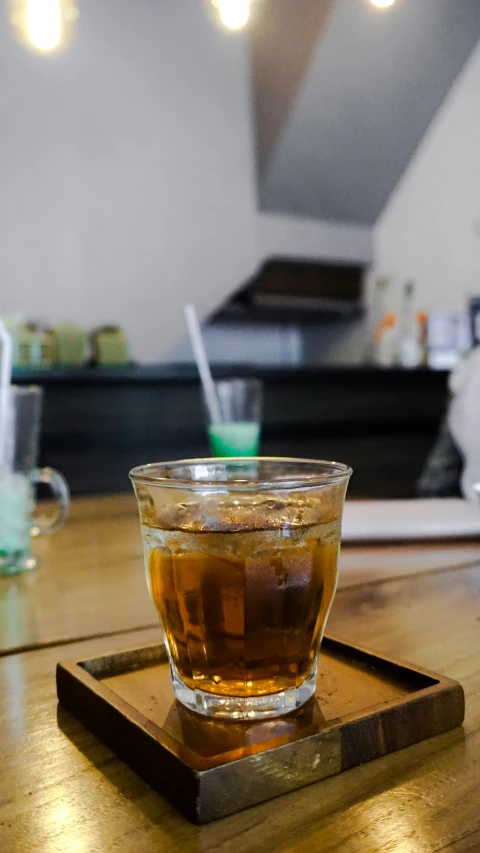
(99, 423)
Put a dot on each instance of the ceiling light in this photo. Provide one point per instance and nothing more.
(233, 14)
(44, 25)
(382, 4)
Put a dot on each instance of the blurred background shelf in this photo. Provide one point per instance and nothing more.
(98, 423)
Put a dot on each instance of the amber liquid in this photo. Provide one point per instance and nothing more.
(243, 610)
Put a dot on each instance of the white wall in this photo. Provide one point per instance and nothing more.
(126, 171)
(127, 182)
(292, 236)
(248, 343)
(426, 231)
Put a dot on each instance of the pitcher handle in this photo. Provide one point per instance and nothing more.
(59, 486)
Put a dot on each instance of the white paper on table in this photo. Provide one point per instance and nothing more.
(440, 518)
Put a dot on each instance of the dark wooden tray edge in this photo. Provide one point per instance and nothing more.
(204, 793)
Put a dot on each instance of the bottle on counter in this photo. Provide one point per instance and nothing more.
(409, 343)
(422, 319)
(377, 314)
(49, 348)
(29, 346)
(386, 341)
(443, 340)
(71, 344)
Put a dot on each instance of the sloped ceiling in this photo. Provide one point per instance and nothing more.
(342, 138)
(283, 41)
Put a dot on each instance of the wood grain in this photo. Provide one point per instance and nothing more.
(360, 564)
(91, 580)
(365, 706)
(62, 791)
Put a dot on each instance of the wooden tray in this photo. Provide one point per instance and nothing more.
(365, 706)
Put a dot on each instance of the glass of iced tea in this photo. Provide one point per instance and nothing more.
(241, 556)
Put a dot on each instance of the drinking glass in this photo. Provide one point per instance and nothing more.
(241, 557)
(240, 404)
(17, 483)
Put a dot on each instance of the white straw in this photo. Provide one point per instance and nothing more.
(5, 381)
(200, 354)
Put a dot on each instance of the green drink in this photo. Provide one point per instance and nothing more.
(234, 429)
(235, 439)
(18, 476)
(16, 503)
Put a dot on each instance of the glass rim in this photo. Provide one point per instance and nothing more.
(338, 471)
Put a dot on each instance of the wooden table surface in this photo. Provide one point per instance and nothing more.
(61, 791)
(91, 581)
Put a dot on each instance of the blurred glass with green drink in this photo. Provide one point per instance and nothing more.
(20, 417)
(234, 427)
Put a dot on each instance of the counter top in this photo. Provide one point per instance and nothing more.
(188, 373)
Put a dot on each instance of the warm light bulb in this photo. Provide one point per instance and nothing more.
(234, 14)
(382, 4)
(43, 24)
